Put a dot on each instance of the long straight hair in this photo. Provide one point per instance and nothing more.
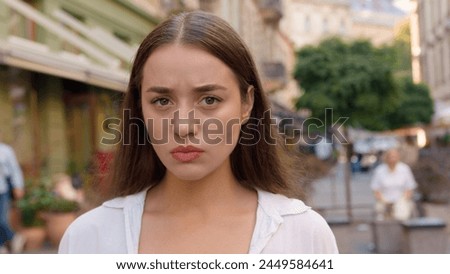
(262, 165)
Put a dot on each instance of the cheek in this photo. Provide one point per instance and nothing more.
(225, 125)
(157, 128)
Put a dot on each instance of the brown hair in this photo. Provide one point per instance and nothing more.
(260, 165)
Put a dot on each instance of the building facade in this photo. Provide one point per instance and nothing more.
(257, 22)
(63, 67)
(308, 21)
(430, 38)
(375, 20)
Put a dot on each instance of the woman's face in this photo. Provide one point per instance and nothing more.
(193, 110)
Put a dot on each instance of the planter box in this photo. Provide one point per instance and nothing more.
(425, 236)
(388, 236)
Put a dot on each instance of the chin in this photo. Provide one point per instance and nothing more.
(189, 176)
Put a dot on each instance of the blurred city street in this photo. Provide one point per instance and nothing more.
(370, 74)
(356, 237)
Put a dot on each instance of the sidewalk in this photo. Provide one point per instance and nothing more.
(356, 237)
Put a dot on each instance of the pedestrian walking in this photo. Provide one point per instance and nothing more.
(11, 184)
(203, 172)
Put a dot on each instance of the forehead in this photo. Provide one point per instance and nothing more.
(392, 153)
(184, 64)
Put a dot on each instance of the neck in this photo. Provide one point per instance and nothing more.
(392, 166)
(219, 189)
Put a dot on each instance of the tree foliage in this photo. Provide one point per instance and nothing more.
(400, 51)
(353, 79)
(371, 86)
(416, 106)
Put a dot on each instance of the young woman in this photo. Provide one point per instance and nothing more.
(202, 171)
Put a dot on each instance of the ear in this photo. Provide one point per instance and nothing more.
(247, 104)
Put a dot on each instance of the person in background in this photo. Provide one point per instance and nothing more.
(393, 184)
(10, 177)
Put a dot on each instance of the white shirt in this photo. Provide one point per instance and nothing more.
(283, 225)
(393, 183)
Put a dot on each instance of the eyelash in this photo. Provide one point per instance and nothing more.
(157, 101)
(216, 100)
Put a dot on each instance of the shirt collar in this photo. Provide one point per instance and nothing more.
(272, 204)
(269, 216)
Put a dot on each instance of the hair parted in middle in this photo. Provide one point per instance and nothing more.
(260, 165)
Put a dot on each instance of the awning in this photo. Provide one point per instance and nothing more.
(24, 54)
(97, 64)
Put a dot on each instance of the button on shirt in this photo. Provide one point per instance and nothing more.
(393, 183)
(283, 225)
(9, 167)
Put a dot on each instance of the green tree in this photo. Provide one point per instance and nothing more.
(416, 106)
(354, 79)
(401, 51)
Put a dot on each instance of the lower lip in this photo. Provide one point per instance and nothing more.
(186, 156)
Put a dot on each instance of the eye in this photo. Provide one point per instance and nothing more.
(161, 101)
(209, 100)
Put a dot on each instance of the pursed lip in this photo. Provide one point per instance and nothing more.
(186, 154)
(188, 149)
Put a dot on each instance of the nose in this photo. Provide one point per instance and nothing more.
(185, 124)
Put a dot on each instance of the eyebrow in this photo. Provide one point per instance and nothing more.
(209, 87)
(200, 89)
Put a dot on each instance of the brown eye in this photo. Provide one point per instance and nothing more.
(210, 100)
(161, 101)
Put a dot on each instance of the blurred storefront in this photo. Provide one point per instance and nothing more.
(63, 68)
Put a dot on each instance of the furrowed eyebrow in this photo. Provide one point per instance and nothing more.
(161, 90)
(210, 87)
(204, 88)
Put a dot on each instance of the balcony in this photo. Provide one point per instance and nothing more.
(271, 10)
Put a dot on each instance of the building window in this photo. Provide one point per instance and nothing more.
(443, 71)
(325, 26)
(448, 58)
(307, 23)
(342, 27)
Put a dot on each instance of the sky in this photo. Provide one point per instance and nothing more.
(404, 5)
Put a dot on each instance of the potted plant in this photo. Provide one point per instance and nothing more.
(32, 226)
(44, 208)
(58, 214)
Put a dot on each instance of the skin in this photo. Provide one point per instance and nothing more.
(199, 206)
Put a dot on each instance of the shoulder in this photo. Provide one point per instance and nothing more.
(90, 231)
(404, 167)
(280, 204)
(6, 148)
(300, 228)
(110, 211)
(97, 217)
(102, 229)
